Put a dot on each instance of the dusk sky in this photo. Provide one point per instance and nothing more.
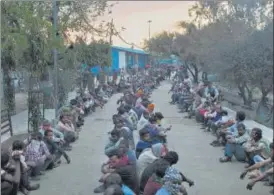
(133, 15)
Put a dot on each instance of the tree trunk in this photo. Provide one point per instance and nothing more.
(90, 83)
(246, 94)
(9, 91)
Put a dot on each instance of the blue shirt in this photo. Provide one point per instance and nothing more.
(233, 129)
(127, 191)
(162, 191)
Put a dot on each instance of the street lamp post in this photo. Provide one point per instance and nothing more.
(149, 22)
(54, 22)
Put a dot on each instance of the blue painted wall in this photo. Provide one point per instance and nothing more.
(130, 57)
(142, 60)
(115, 59)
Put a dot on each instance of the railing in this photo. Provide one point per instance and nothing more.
(6, 125)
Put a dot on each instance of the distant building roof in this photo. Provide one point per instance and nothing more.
(138, 51)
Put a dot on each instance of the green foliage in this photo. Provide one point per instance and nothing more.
(233, 39)
(95, 53)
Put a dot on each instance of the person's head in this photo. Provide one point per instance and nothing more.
(48, 134)
(113, 179)
(18, 145)
(152, 120)
(240, 116)
(114, 118)
(4, 159)
(224, 113)
(63, 118)
(209, 84)
(172, 157)
(257, 134)
(127, 108)
(241, 129)
(144, 134)
(150, 107)
(159, 150)
(121, 110)
(73, 102)
(114, 190)
(114, 156)
(159, 115)
(46, 125)
(114, 135)
(146, 115)
(119, 124)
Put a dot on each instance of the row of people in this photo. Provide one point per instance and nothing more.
(146, 166)
(245, 145)
(27, 162)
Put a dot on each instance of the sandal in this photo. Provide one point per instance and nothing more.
(225, 159)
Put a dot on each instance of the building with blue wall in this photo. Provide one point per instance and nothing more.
(127, 58)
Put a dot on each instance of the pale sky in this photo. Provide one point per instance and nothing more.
(133, 15)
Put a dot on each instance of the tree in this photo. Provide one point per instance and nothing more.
(27, 38)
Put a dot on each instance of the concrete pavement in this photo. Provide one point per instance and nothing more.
(198, 160)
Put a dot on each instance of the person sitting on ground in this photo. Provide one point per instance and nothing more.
(262, 175)
(37, 154)
(221, 122)
(115, 179)
(201, 111)
(10, 175)
(171, 158)
(132, 115)
(212, 117)
(186, 99)
(143, 121)
(114, 190)
(254, 146)
(232, 130)
(54, 148)
(234, 145)
(150, 108)
(116, 159)
(66, 127)
(144, 142)
(172, 183)
(149, 155)
(211, 92)
(115, 140)
(18, 147)
(155, 182)
(58, 137)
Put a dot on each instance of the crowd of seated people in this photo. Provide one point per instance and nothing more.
(27, 161)
(143, 166)
(247, 146)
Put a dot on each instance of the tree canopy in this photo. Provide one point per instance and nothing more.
(233, 39)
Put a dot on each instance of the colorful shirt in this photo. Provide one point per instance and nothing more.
(36, 150)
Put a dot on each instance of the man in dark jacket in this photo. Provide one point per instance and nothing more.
(170, 159)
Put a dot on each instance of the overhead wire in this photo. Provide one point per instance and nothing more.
(118, 34)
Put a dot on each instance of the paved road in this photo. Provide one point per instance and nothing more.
(198, 159)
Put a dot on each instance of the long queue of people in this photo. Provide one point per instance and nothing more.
(202, 102)
(143, 166)
(27, 161)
